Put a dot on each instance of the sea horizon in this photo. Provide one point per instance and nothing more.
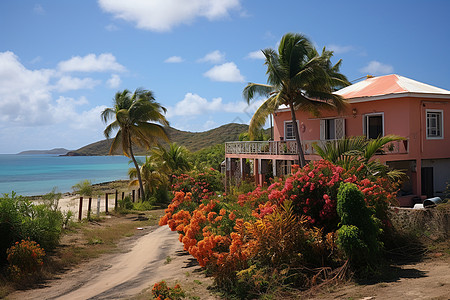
(38, 174)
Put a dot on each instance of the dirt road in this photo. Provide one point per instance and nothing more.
(120, 275)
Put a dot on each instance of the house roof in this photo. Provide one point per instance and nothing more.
(387, 87)
(390, 86)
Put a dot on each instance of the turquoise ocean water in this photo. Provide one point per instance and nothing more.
(37, 174)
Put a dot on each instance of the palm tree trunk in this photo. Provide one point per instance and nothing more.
(301, 155)
(138, 171)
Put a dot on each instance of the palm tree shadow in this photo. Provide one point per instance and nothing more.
(191, 262)
(393, 274)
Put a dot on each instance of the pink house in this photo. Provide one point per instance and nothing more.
(382, 105)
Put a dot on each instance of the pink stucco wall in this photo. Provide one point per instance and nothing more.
(402, 116)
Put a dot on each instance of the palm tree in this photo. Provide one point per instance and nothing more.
(151, 175)
(173, 160)
(135, 118)
(298, 77)
(354, 151)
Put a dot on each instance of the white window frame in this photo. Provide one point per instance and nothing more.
(337, 135)
(441, 112)
(285, 131)
(365, 119)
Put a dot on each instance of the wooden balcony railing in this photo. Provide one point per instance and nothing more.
(290, 147)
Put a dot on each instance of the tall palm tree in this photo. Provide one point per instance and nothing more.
(136, 117)
(173, 160)
(298, 77)
(151, 175)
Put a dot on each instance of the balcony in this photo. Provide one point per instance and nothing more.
(290, 147)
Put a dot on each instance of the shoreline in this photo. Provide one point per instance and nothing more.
(101, 187)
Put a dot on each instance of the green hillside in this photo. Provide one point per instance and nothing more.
(193, 141)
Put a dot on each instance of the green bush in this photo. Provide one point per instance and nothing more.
(20, 219)
(359, 233)
(125, 203)
(144, 205)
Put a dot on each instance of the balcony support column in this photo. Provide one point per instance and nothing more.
(256, 170)
(274, 168)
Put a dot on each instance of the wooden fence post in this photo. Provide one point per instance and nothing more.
(80, 209)
(133, 193)
(106, 203)
(115, 201)
(89, 208)
(98, 206)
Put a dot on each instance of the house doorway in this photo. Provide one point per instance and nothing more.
(427, 182)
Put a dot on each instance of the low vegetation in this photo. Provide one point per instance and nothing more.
(298, 232)
(79, 242)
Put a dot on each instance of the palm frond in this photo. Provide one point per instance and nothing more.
(255, 89)
(260, 116)
(377, 144)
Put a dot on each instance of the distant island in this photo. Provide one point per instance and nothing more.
(56, 151)
(193, 141)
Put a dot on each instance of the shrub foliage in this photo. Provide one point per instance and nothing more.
(283, 233)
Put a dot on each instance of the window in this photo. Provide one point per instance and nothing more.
(332, 129)
(289, 130)
(434, 124)
(373, 126)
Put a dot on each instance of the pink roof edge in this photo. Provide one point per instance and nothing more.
(387, 85)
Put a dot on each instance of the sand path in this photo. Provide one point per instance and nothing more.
(120, 275)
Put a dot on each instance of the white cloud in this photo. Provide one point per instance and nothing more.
(210, 124)
(163, 15)
(376, 68)
(67, 83)
(256, 55)
(38, 9)
(114, 82)
(91, 63)
(193, 105)
(36, 60)
(26, 97)
(215, 57)
(337, 49)
(24, 94)
(227, 72)
(35, 115)
(111, 27)
(65, 111)
(174, 59)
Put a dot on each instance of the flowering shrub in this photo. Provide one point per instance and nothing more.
(25, 257)
(313, 190)
(291, 223)
(202, 185)
(161, 291)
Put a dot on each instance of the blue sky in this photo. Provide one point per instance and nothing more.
(61, 62)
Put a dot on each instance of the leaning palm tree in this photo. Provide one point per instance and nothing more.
(136, 117)
(298, 77)
(172, 160)
(151, 175)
